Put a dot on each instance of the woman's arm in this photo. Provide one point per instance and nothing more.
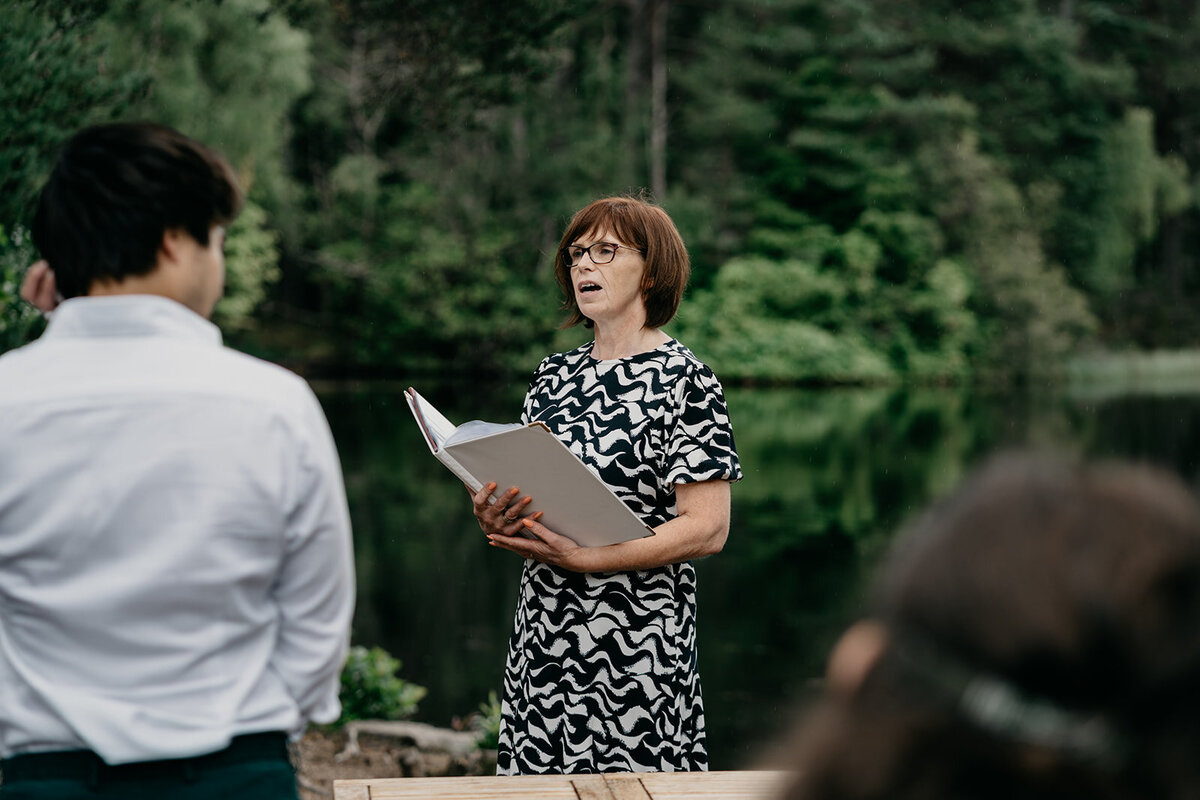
(699, 529)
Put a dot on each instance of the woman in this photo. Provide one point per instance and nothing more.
(1035, 636)
(601, 670)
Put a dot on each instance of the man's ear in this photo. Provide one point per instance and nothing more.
(40, 288)
(854, 656)
(173, 240)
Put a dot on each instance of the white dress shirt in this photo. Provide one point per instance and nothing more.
(175, 555)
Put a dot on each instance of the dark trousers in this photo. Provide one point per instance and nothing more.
(253, 767)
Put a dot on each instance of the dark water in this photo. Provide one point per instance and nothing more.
(830, 474)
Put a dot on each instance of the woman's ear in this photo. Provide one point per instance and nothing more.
(854, 655)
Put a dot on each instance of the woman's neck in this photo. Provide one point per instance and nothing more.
(621, 342)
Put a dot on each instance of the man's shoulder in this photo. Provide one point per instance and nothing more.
(259, 370)
(239, 374)
(197, 373)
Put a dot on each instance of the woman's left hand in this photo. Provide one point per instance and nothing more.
(548, 548)
(699, 530)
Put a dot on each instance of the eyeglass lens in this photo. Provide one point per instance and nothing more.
(599, 253)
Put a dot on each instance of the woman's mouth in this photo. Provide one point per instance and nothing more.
(588, 286)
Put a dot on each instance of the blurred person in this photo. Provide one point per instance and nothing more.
(601, 670)
(176, 576)
(1035, 635)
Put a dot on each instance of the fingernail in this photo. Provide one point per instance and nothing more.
(528, 523)
(538, 515)
(526, 499)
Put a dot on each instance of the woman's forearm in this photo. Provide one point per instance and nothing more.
(699, 529)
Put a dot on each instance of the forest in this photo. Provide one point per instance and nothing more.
(871, 191)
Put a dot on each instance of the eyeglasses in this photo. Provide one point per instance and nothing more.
(599, 253)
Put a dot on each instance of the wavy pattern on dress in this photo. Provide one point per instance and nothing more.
(601, 670)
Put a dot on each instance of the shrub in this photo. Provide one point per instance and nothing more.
(371, 689)
(487, 723)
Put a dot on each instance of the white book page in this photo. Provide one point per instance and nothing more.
(436, 428)
(477, 429)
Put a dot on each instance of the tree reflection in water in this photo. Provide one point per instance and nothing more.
(830, 474)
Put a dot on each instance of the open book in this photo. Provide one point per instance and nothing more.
(574, 501)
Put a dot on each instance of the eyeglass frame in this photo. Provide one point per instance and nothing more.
(564, 253)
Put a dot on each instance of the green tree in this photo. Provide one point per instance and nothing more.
(53, 81)
(19, 322)
(852, 278)
(227, 74)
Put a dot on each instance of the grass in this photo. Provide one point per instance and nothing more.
(1158, 372)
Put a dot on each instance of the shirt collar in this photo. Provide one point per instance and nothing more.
(129, 315)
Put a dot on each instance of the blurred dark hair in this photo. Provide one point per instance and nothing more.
(1043, 641)
(639, 224)
(116, 189)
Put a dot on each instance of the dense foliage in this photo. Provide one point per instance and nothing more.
(372, 689)
(870, 190)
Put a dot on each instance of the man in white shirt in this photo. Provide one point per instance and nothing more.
(176, 577)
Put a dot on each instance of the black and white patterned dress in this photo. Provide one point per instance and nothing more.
(601, 672)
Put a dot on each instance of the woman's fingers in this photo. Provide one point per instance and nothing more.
(542, 544)
(480, 497)
(503, 516)
(513, 513)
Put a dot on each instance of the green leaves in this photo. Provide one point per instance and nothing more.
(251, 265)
(19, 321)
(371, 689)
(52, 81)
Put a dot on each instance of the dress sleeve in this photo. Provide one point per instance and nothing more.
(529, 408)
(700, 446)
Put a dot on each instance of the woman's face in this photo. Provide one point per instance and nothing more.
(612, 292)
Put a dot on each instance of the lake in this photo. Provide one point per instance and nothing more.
(830, 475)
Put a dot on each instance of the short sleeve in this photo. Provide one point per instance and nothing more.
(701, 447)
(529, 408)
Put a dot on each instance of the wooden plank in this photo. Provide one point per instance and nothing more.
(626, 787)
(742, 785)
(521, 787)
(591, 787)
(739, 785)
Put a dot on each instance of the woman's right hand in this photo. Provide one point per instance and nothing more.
(502, 517)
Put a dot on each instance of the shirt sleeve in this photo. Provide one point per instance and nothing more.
(700, 446)
(315, 588)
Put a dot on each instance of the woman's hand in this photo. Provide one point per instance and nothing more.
(502, 518)
(546, 546)
(699, 530)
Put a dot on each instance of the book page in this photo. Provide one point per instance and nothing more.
(434, 427)
(477, 429)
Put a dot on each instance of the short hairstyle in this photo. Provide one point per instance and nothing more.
(1066, 595)
(639, 224)
(113, 193)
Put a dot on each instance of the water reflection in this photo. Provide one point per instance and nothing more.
(829, 477)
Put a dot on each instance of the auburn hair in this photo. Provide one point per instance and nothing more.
(640, 224)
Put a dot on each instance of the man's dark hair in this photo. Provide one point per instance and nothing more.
(116, 189)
